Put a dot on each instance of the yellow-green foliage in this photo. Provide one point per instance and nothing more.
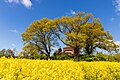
(23, 69)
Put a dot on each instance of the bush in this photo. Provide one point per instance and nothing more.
(96, 57)
(110, 58)
(1, 55)
(63, 57)
(88, 58)
(117, 57)
(38, 56)
(92, 59)
(101, 56)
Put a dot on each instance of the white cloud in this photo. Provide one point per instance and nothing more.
(117, 42)
(26, 3)
(112, 19)
(12, 1)
(13, 45)
(116, 3)
(72, 12)
(118, 14)
(14, 31)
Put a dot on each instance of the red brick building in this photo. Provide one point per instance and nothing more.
(68, 50)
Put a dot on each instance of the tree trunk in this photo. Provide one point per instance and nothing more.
(88, 50)
(48, 56)
(76, 54)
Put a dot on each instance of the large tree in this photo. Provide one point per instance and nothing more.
(83, 32)
(38, 37)
(69, 31)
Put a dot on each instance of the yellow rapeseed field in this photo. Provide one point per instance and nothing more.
(25, 69)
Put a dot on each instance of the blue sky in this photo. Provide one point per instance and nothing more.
(17, 15)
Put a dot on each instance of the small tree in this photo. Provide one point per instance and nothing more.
(9, 53)
(3, 51)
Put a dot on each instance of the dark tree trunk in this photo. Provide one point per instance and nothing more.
(76, 54)
(89, 46)
(48, 56)
(89, 50)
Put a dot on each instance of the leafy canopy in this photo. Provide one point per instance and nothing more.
(39, 37)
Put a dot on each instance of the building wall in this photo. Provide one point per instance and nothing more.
(68, 50)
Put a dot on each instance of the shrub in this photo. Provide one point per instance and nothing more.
(38, 56)
(101, 56)
(117, 57)
(1, 55)
(110, 58)
(92, 59)
(64, 57)
(88, 58)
